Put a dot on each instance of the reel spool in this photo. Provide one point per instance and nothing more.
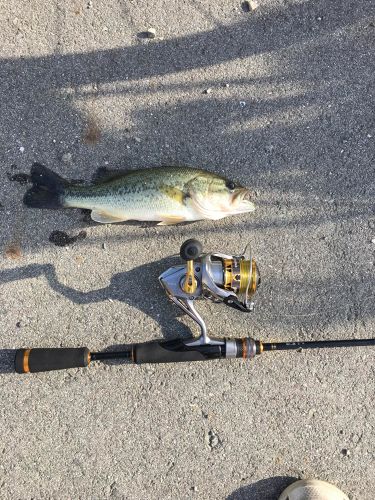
(232, 279)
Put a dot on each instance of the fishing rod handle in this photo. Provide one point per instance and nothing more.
(182, 350)
(170, 351)
(162, 351)
(175, 351)
(45, 360)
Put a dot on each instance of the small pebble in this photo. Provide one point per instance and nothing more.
(212, 439)
(345, 452)
(242, 104)
(373, 241)
(312, 412)
(369, 136)
(151, 33)
(137, 139)
(89, 4)
(66, 158)
(226, 85)
(208, 91)
(22, 149)
(104, 246)
(250, 5)
(18, 324)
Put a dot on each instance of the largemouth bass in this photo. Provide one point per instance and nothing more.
(168, 195)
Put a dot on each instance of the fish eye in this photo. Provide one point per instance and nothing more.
(230, 185)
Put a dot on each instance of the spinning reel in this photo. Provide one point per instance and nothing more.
(230, 279)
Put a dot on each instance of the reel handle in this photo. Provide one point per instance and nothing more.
(45, 360)
(190, 251)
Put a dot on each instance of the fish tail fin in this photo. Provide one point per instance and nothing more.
(47, 190)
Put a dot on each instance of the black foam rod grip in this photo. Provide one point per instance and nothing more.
(175, 351)
(44, 360)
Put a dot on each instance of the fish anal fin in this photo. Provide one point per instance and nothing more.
(170, 220)
(106, 217)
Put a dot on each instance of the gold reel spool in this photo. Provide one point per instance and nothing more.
(248, 277)
(241, 276)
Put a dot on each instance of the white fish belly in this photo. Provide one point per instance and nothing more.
(145, 206)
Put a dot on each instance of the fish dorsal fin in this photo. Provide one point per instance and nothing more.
(104, 174)
(106, 217)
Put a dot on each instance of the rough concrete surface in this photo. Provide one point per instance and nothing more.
(290, 114)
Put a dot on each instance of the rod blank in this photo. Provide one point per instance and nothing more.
(318, 344)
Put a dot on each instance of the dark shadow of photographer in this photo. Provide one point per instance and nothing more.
(265, 489)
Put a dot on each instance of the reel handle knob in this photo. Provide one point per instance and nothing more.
(190, 250)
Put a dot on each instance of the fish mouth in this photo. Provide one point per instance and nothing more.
(243, 201)
(248, 195)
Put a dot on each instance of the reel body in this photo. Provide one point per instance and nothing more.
(219, 277)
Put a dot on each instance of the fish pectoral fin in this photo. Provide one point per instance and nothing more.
(106, 217)
(170, 220)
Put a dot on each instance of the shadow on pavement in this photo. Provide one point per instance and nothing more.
(288, 145)
(305, 314)
(266, 489)
(41, 115)
(138, 287)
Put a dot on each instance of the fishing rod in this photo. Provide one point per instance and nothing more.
(232, 280)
